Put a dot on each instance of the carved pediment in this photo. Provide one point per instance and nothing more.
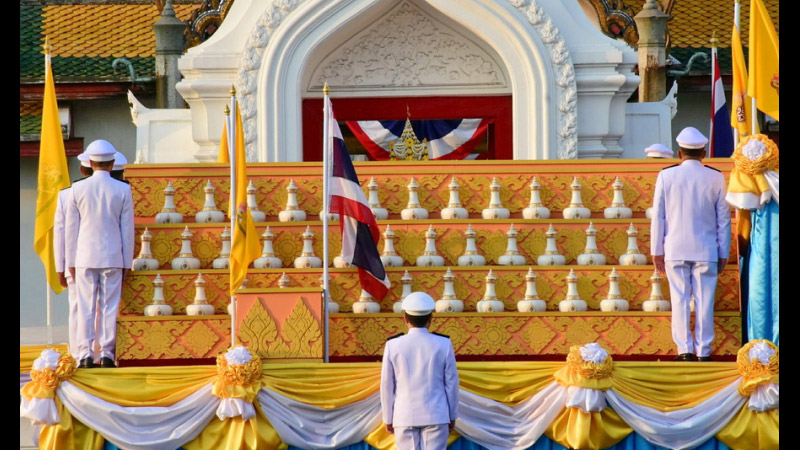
(407, 48)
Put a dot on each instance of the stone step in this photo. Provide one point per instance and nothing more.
(596, 176)
(469, 284)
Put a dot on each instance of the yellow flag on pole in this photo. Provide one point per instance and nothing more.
(763, 82)
(246, 246)
(740, 104)
(223, 143)
(53, 176)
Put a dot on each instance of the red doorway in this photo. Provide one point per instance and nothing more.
(394, 108)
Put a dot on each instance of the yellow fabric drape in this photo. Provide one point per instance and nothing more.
(670, 386)
(69, 433)
(323, 385)
(44, 382)
(750, 429)
(236, 433)
(506, 382)
(28, 353)
(574, 428)
(238, 381)
(150, 386)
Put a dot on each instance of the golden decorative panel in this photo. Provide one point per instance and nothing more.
(299, 336)
(527, 335)
(172, 338)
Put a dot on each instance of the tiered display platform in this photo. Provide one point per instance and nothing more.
(294, 330)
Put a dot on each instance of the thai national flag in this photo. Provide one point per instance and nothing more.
(721, 134)
(359, 229)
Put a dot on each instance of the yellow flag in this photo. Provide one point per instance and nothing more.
(53, 176)
(763, 83)
(740, 104)
(223, 143)
(246, 246)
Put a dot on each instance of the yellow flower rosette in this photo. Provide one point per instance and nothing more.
(586, 374)
(238, 380)
(747, 182)
(753, 372)
(45, 381)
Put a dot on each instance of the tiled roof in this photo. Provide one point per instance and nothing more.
(86, 38)
(30, 117)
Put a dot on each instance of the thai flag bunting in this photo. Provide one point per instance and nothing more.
(721, 142)
(359, 229)
(447, 139)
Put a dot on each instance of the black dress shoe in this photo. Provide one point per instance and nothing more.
(86, 363)
(106, 362)
(684, 357)
(704, 358)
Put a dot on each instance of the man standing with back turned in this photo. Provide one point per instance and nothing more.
(99, 248)
(419, 381)
(690, 241)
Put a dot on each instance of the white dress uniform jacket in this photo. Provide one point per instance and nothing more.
(59, 253)
(691, 219)
(419, 380)
(99, 232)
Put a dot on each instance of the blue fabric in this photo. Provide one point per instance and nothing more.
(632, 442)
(763, 299)
(424, 129)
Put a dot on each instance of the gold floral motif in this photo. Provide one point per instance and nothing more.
(495, 334)
(644, 186)
(451, 245)
(539, 335)
(482, 193)
(573, 242)
(265, 188)
(206, 246)
(726, 335)
(409, 244)
(334, 244)
(263, 280)
(463, 293)
(515, 193)
(148, 196)
(189, 195)
(287, 246)
(137, 292)
(158, 340)
(341, 337)
(556, 193)
(588, 288)
(165, 246)
(492, 243)
(631, 196)
(309, 195)
(258, 330)
(643, 239)
(125, 340)
(552, 288)
(343, 292)
(658, 336)
(615, 241)
(371, 334)
(301, 334)
(532, 243)
(429, 280)
(505, 288)
(597, 192)
(179, 291)
(622, 336)
(428, 186)
(453, 328)
(396, 194)
(200, 339)
(631, 286)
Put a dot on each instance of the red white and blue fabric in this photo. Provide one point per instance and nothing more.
(359, 229)
(721, 133)
(447, 139)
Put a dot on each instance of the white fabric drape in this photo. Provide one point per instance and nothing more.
(682, 428)
(764, 398)
(773, 181)
(498, 426)
(312, 427)
(234, 407)
(39, 410)
(588, 400)
(147, 427)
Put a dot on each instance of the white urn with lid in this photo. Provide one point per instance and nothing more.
(551, 256)
(224, 259)
(591, 256)
(145, 260)
(430, 258)
(374, 202)
(307, 258)
(267, 260)
(200, 306)
(490, 302)
(614, 301)
(185, 259)
(413, 210)
(471, 257)
(210, 213)
(169, 214)
(572, 302)
(511, 257)
(454, 209)
(292, 213)
(618, 210)
(449, 302)
(535, 209)
(495, 209)
(632, 256)
(159, 307)
(531, 302)
(576, 210)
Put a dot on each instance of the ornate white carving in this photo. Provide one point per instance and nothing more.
(407, 48)
(671, 99)
(559, 56)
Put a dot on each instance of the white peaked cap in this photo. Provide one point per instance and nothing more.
(119, 161)
(100, 151)
(84, 159)
(690, 138)
(418, 304)
(658, 151)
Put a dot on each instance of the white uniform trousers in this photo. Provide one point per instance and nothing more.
(685, 279)
(99, 293)
(72, 317)
(431, 437)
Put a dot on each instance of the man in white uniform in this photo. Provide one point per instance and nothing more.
(690, 241)
(99, 252)
(419, 381)
(64, 277)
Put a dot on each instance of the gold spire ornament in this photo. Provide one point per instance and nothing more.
(409, 147)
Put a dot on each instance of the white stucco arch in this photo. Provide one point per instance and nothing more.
(274, 106)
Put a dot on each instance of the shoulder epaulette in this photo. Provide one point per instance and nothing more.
(712, 168)
(395, 336)
(670, 167)
(442, 335)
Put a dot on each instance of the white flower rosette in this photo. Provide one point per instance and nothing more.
(586, 377)
(37, 397)
(759, 366)
(237, 383)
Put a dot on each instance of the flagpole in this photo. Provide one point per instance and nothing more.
(713, 92)
(231, 119)
(736, 18)
(49, 313)
(325, 211)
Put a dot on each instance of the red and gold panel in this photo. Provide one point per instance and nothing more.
(174, 337)
(523, 334)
